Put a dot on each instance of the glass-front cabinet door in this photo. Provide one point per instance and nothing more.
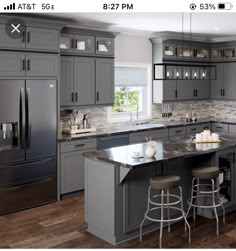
(185, 53)
(202, 54)
(229, 53)
(104, 46)
(84, 44)
(169, 51)
(66, 43)
(217, 53)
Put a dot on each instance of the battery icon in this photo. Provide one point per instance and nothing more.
(225, 6)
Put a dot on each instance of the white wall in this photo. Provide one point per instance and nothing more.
(133, 49)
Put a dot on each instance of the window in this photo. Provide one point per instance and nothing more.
(132, 93)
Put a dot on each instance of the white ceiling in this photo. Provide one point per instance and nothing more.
(209, 24)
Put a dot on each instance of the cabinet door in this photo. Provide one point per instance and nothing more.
(105, 81)
(67, 43)
(42, 65)
(217, 85)
(84, 44)
(67, 81)
(104, 46)
(72, 172)
(169, 90)
(7, 42)
(229, 80)
(185, 89)
(225, 160)
(135, 196)
(84, 80)
(42, 39)
(12, 64)
(202, 88)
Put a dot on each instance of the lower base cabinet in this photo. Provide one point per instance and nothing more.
(72, 164)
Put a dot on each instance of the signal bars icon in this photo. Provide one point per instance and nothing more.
(10, 7)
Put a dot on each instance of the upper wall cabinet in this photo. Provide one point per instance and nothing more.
(20, 64)
(175, 51)
(42, 39)
(80, 44)
(33, 38)
(104, 46)
(86, 43)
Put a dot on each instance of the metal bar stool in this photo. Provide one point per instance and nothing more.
(164, 183)
(206, 173)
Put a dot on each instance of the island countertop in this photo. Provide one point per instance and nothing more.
(178, 147)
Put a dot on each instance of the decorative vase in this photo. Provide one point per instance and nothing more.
(151, 149)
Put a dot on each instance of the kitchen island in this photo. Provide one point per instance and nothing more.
(116, 184)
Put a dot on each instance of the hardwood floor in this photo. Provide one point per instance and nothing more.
(61, 225)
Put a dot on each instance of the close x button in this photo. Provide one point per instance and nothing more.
(15, 28)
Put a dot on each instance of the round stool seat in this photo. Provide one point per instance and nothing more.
(210, 172)
(164, 182)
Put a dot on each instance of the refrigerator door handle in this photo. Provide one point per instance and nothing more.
(28, 123)
(21, 125)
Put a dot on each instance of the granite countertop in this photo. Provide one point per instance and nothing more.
(166, 150)
(134, 128)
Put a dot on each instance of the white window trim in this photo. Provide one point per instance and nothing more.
(126, 117)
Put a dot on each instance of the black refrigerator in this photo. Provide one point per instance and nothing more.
(28, 143)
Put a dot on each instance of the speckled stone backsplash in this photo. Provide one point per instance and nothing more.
(203, 109)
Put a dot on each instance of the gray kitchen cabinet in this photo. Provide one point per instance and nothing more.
(197, 128)
(169, 90)
(164, 90)
(84, 44)
(12, 64)
(72, 164)
(134, 188)
(104, 81)
(66, 43)
(77, 81)
(185, 89)
(112, 141)
(202, 89)
(84, 79)
(232, 128)
(104, 46)
(67, 81)
(42, 39)
(72, 172)
(217, 85)
(229, 80)
(220, 127)
(177, 131)
(140, 137)
(42, 65)
(6, 42)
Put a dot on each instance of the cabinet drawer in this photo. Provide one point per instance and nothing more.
(78, 145)
(112, 141)
(177, 131)
(232, 128)
(140, 137)
(192, 129)
(220, 127)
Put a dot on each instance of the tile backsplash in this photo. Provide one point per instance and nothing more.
(98, 115)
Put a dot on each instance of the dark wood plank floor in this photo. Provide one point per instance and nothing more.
(61, 225)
